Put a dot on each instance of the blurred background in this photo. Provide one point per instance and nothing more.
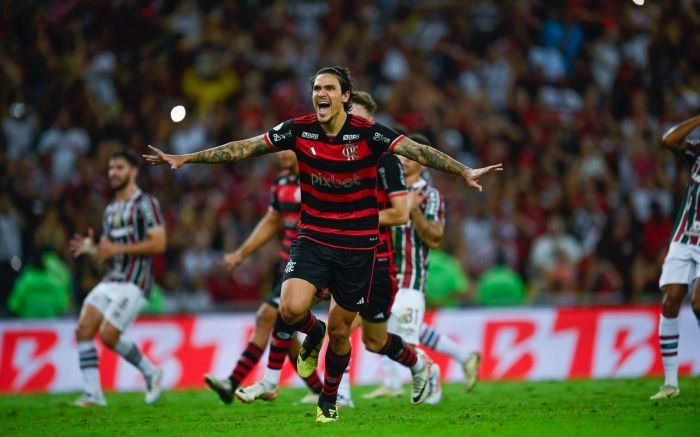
(572, 96)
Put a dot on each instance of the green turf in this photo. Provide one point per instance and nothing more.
(579, 408)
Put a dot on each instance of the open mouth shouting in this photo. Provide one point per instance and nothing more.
(324, 108)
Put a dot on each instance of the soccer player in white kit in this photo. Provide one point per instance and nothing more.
(682, 264)
(132, 232)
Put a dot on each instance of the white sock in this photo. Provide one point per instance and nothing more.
(272, 377)
(450, 347)
(131, 353)
(668, 344)
(87, 355)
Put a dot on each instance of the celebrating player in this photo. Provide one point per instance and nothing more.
(682, 264)
(283, 213)
(132, 232)
(338, 230)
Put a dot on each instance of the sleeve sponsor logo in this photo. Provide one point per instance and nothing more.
(280, 137)
(381, 138)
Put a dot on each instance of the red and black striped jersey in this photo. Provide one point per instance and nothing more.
(391, 184)
(338, 177)
(285, 199)
(127, 222)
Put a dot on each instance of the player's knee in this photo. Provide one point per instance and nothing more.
(670, 305)
(373, 343)
(84, 330)
(338, 331)
(265, 319)
(109, 338)
(291, 313)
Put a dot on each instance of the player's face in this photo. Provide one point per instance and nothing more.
(287, 159)
(120, 173)
(360, 111)
(410, 167)
(327, 97)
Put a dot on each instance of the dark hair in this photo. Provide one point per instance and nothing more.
(343, 75)
(128, 156)
(364, 99)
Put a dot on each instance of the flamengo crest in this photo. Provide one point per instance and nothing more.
(350, 152)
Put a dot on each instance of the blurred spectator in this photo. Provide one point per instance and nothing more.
(39, 292)
(62, 145)
(446, 284)
(553, 261)
(500, 286)
(10, 246)
(20, 128)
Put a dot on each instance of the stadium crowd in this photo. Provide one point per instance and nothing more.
(571, 96)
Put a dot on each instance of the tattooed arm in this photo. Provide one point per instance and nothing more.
(433, 158)
(229, 152)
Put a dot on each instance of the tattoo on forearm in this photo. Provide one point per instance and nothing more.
(233, 151)
(429, 156)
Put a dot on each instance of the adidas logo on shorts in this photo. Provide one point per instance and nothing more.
(361, 301)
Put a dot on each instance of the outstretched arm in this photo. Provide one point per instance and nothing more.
(229, 152)
(433, 158)
(674, 138)
(264, 231)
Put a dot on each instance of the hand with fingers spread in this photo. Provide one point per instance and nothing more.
(472, 175)
(175, 161)
(80, 245)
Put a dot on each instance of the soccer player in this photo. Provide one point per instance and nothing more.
(282, 214)
(412, 243)
(132, 232)
(682, 264)
(393, 211)
(338, 229)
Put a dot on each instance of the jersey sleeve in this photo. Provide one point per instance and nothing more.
(149, 209)
(434, 206)
(382, 138)
(105, 225)
(281, 136)
(274, 199)
(391, 176)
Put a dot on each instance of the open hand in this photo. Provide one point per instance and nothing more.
(175, 161)
(79, 245)
(472, 175)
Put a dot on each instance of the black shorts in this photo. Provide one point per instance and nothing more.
(383, 291)
(346, 272)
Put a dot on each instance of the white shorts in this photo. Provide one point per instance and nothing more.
(681, 266)
(407, 315)
(119, 302)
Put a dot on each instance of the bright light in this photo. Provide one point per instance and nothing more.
(177, 114)
(638, 2)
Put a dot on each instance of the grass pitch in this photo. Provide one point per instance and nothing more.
(577, 408)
